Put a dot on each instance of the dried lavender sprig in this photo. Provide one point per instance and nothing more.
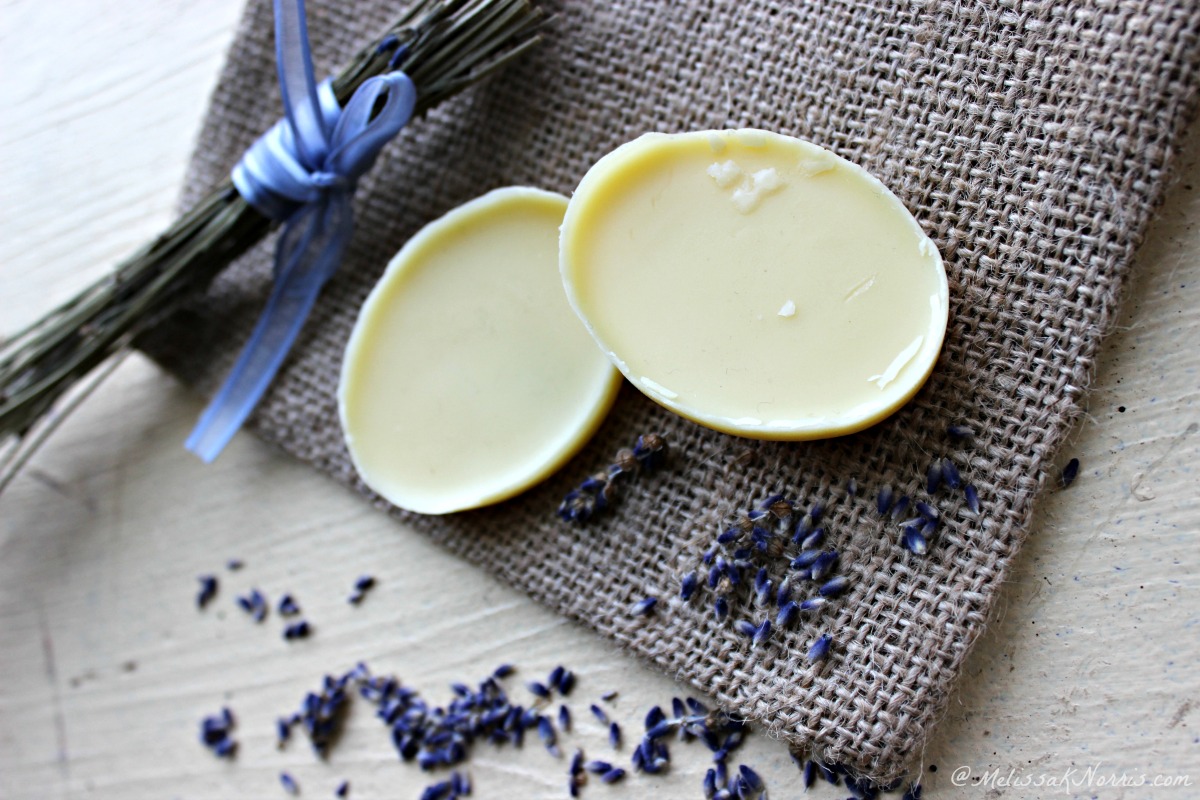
(442, 45)
(601, 489)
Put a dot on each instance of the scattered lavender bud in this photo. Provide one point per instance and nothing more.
(823, 565)
(687, 586)
(564, 718)
(287, 606)
(913, 792)
(815, 512)
(721, 608)
(746, 627)
(555, 676)
(208, 590)
(933, 478)
(503, 671)
(539, 689)
(576, 762)
(297, 630)
(810, 774)
(614, 735)
(643, 607)
(608, 696)
(784, 595)
(950, 474)
(761, 633)
(599, 767)
(927, 511)
(751, 778)
(813, 603)
(653, 717)
(813, 540)
(883, 501)
(972, 498)
(787, 615)
(545, 730)
(762, 587)
(343, 789)
(234, 564)
(600, 490)
(1069, 473)
(361, 586)
(834, 586)
(289, 783)
(806, 559)
(959, 432)
(599, 714)
(460, 783)
(613, 775)
(820, 649)
(566, 683)
(900, 506)
(914, 541)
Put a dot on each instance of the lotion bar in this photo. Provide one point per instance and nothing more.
(754, 283)
(467, 378)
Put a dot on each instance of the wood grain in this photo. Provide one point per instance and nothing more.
(108, 666)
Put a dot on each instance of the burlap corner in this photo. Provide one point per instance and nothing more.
(1030, 139)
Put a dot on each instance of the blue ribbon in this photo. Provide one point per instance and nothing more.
(303, 171)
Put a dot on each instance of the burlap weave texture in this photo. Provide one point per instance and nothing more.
(1030, 139)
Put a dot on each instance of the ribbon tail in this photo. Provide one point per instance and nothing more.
(307, 255)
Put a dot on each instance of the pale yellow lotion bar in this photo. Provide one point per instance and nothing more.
(467, 378)
(755, 283)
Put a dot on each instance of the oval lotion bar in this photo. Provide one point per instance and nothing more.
(755, 283)
(467, 378)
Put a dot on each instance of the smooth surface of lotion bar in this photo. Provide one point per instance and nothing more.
(467, 378)
(755, 283)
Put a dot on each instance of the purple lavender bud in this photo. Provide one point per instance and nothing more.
(806, 559)
(933, 478)
(784, 595)
(687, 586)
(950, 474)
(613, 775)
(599, 767)
(614, 735)
(751, 778)
(813, 540)
(787, 615)
(643, 607)
(820, 649)
(901, 506)
(1069, 473)
(914, 541)
(654, 716)
(208, 590)
(883, 501)
(761, 633)
(289, 783)
(834, 586)
(823, 565)
(564, 718)
(972, 498)
(599, 714)
(721, 608)
(959, 432)
(746, 627)
(503, 671)
(539, 689)
(813, 603)
(927, 511)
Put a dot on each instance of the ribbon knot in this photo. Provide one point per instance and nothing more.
(303, 171)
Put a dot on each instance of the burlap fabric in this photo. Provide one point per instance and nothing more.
(1030, 139)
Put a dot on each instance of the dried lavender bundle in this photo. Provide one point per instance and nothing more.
(442, 45)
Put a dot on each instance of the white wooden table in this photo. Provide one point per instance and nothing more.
(106, 667)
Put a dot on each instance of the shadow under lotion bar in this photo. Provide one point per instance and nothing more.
(754, 283)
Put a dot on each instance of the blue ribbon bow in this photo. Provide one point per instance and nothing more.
(303, 171)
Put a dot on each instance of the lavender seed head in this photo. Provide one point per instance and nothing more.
(927, 511)
(599, 714)
(289, 783)
(761, 633)
(823, 565)
(901, 506)
(813, 603)
(787, 615)
(614, 735)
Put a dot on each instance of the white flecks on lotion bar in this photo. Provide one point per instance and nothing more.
(750, 188)
(730, 233)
